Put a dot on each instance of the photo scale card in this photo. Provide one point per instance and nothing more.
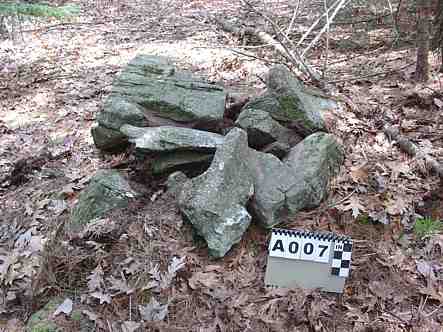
(306, 259)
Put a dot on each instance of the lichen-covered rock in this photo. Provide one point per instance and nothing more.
(262, 129)
(109, 140)
(171, 139)
(181, 160)
(272, 179)
(151, 91)
(300, 182)
(292, 102)
(314, 162)
(215, 201)
(107, 190)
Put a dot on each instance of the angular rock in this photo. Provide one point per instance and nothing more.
(290, 101)
(109, 140)
(272, 179)
(107, 190)
(175, 183)
(119, 111)
(278, 149)
(150, 91)
(214, 202)
(181, 160)
(284, 188)
(169, 139)
(262, 129)
(314, 161)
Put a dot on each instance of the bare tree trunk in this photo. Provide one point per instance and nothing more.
(437, 38)
(423, 25)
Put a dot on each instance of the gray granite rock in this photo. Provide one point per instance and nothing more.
(290, 101)
(109, 140)
(314, 162)
(272, 180)
(215, 201)
(107, 190)
(262, 129)
(282, 189)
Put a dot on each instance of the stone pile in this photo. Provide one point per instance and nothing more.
(275, 161)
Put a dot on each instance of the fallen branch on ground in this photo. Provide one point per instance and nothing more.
(268, 39)
(413, 150)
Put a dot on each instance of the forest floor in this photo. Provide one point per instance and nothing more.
(53, 80)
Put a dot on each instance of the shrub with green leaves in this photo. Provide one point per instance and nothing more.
(425, 227)
(37, 10)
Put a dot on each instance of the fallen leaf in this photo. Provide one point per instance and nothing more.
(206, 279)
(359, 174)
(425, 268)
(396, 206)
(65, 307)
(130, 326)
(153, 311)
(121, 286)
(353, 204)
(91, 316)
(102, 297)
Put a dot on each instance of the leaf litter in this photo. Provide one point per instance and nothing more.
(141, 268)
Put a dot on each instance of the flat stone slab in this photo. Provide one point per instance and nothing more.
(169, 139)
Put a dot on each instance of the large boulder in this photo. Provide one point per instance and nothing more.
(300, 182)
(292, 103)
(106, 191)
(171, 139)
(314, 162)
(215, 201)
(151, 91)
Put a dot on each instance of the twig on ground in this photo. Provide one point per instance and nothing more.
(325, 66)
(413, 150)
(294, 15)
(281, 47)
(312, 43)
(306, 34)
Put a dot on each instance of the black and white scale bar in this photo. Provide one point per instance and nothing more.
(341, 259)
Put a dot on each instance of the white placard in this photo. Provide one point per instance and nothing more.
(285, 246)
(322, 251)
(309, 246)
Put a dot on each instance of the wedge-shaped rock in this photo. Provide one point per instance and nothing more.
(288, 100)
(107, 190)
(262, 129)
(300, 182)
(168, 138)
(314, 161)
(272, 180)
(215, 201)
